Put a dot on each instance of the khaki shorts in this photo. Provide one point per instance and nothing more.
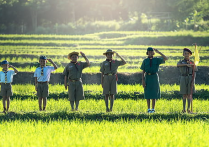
(43, 89)
(75, 91)
(6, 89)
(185, 85)
(109, 84)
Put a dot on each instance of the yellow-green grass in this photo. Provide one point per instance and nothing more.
(98, 106)
(119, 133)
(96, 88)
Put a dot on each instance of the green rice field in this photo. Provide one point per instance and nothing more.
(129, 124)
(24, 50)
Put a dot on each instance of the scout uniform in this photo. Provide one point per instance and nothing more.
(109, 69)
(73, 71)
(186, 77)
(151, 67)
(6, 78)
(43, 77)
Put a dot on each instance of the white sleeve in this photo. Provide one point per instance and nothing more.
(35, 73)
(12, 72)
(51, 68)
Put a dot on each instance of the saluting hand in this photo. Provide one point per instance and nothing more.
(116, 53)
(156, 50)
(82, 54)
(50, 60)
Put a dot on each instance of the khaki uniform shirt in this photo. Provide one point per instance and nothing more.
(74, 71)
(105, 66)
(186, 77)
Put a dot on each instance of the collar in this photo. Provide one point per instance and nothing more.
(187, 60)
(73, 62)
(5, 70)
(109, 60)
(150, 57)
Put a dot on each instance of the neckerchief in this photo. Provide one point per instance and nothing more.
(109, 60)
(150, 59)
(187, 68)
(42, 70)
(5, 71)
(75, 65)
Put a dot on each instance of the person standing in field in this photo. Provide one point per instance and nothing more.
(6, 78)
(42, 77)
(73, 74)
(186, 70)
(150, 79)
(109, 77)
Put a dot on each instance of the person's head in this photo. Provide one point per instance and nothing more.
(150, 52)
(187, 53)
(109, 54)
(42, 61)
(5, 65)
(73, 56)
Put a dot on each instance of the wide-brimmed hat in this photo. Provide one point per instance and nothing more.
(4, 62)
(72, 53)
(108, 51)
(188, 50)
(150, 49)
(43, 57)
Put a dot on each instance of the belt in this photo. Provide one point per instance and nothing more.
(42, 82)
(109, 74)
(74, 80)
(150, 73)
(186, 75)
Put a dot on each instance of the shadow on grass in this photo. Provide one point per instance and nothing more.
(93, 116)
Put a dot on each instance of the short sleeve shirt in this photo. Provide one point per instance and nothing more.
(9, 75)
(74, 71)
(185, 70)
(105, 66)
(46, 73)
(155, 65)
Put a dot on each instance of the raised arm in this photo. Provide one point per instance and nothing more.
(124, 62)
(55, 66)
(16, 71)
(87, 60)
(164, 57)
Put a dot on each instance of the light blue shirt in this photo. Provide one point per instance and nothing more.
(10, 75)
(47, 72)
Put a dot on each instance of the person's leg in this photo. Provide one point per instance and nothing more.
(4, 103)
(40, 103)
(8, 103)
(184, 103)
(153, 105)
(106, 102)
(72, 105)
(148, 105)
(77, 104)
(44, 103)
(111, 101)
(188, 103)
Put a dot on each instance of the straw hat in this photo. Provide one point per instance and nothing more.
(72, 53)
(108, 51)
